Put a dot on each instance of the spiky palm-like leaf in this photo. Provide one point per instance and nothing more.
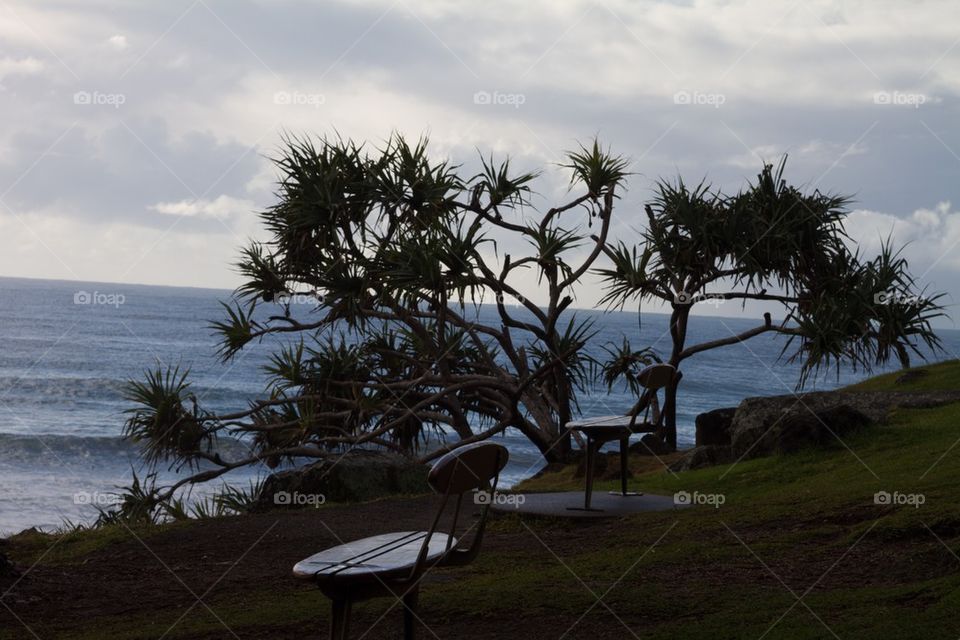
(237, 330)
(624, 363)
(160, 422)
(598, 170)
(500, 187)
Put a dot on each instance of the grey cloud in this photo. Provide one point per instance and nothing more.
(181, 79)
(117, 174)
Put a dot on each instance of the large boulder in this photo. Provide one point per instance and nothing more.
(823, 428)
(357, 476)
(650, 445)
(713, 427)
(789, 423)
(605, 464)
(705, 456)
(782, 424)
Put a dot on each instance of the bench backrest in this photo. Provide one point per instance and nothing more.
(652, 379)
(470, 467)
(657, 376)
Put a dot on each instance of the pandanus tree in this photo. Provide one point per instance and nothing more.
(771, 242)
(394, 251)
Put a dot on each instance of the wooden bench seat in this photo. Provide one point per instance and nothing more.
(384, 555)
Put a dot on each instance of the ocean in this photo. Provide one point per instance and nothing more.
(66, 349)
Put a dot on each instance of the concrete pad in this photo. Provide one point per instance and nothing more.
(569, 504)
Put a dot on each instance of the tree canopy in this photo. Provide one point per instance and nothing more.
(396, 252)
(772, 242)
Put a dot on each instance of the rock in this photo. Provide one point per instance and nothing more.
(751, 429)
(762, 426)
(713, 427)
(805, 429)
(650, 445)
(606, 465)
(612, 470)
(600, 463)
(359, 475)
(912, 376)
(705, 456)
(788, 423)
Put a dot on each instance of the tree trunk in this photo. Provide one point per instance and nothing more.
(670, 414)
(561, 449)
(554, 449)
(551, 439)
(678, 334)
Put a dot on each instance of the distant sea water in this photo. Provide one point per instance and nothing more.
(66, 349)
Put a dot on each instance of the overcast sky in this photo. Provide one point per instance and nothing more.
(134, 134)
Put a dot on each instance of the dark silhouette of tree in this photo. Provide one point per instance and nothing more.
(395, 253)
(774, 243)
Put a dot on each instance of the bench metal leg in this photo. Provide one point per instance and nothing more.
(591, 458)
(592, 447)
(410, 601)
(624, 471)
(340, 619)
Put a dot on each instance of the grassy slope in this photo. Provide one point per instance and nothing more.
(892, 572)
(941, 376)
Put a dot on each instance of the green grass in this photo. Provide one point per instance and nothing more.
(940, 377)
(799, 514)
(71, 547)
